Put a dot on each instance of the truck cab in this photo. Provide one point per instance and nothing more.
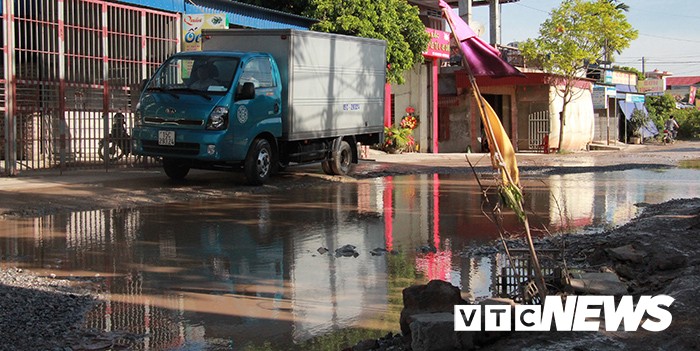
(210, 110)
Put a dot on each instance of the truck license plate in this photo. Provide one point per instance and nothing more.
(166, 137)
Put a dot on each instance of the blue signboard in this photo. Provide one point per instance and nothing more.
(634, 98)
(608, 77)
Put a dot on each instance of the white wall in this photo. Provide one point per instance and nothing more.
(580, 120)
(414, 92)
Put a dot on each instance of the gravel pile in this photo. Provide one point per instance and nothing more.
(39, 313)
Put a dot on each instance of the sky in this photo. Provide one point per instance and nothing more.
(669, 31)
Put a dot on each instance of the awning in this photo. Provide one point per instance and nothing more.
(482, 58)
(647, 131)
(625, 88)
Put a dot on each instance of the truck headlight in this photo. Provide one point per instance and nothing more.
(218, 119)
(137, 115)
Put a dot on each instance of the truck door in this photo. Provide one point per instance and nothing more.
(261, 112)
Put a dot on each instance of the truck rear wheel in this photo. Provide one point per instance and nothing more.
(258, 163)
(175, 170)
(342, 159)
(326, 166)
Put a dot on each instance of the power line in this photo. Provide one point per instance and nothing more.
(531, 8)
(674, 62)
(658, 59)
(658, 14)
(628, 58)
(668, 38)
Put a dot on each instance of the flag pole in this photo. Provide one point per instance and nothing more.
(498, 161)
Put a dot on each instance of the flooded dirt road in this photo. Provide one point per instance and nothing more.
(251, 272)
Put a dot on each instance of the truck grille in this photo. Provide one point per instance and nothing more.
(179, 122)
(178, 149)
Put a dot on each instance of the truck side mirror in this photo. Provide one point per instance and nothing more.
(247, 91)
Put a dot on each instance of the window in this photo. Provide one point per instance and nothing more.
(183, 72)
(259, 72)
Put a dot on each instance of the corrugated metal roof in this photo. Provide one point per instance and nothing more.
(624, 88)
(238, 14)
(682, 81)
(251, 16)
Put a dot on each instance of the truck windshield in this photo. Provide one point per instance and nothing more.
(211, 75)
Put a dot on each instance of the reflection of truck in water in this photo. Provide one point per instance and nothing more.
(264, 99)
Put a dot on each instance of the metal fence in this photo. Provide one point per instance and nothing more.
(517, 282)
(606, 129)
(69, 67)
(538, 128)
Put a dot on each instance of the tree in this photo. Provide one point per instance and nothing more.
(395, 21)
(578, 33)
(620, 5)
(660, 108)
(689, 122)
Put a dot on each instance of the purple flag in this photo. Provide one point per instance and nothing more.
(483, 59)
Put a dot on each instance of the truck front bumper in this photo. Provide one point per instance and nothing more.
(202, 145)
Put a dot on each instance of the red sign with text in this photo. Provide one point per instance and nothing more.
(439, 46)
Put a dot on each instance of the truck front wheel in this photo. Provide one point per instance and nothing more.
(258, 163)
(175, 170)
(342, 159)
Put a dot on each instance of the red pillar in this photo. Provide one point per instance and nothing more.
(388, 201)
(436, 210)
(435, 104)
(387, 105)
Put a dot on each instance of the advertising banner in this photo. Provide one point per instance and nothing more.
(192, 25)
(691, 96)
(651, 86)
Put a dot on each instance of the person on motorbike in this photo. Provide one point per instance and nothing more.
(118, 143)
(119, 126)
(672, 127)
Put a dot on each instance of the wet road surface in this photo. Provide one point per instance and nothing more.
(251, 273)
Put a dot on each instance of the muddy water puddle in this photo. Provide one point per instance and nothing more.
(251, 273)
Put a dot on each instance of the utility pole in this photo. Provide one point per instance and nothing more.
(495, 19)
(643, 65)
(466, 10)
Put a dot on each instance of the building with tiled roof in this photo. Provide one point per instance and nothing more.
(680, 87)
(682, 82)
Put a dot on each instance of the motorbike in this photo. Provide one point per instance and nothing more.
(117, 144)
(668, 137)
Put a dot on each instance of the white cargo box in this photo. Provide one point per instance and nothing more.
(333, 84)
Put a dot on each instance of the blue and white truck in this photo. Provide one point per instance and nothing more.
(271, 98)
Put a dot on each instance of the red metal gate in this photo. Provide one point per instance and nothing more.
(70, 66)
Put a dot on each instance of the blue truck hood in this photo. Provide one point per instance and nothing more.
(167, 107)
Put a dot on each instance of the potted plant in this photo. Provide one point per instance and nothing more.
(410, 120)
(638, 120)
(397, 139)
